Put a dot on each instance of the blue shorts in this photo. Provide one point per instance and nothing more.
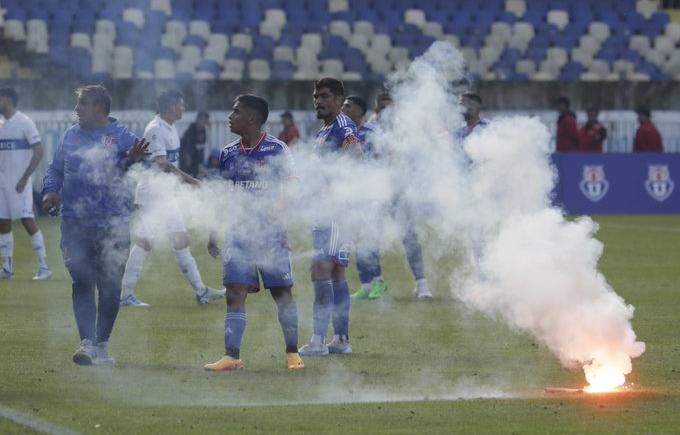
(245, 263)
(329, 244)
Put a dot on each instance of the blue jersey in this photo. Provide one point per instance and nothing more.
(467, 130)
(340, 133)
(260, 171)
(365, 134)
(89, 168)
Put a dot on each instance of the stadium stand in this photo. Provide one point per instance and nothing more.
(510, 40)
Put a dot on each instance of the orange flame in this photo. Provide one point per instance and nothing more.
(603, 379)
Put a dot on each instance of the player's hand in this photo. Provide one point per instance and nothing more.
(21, 185)
(139, 150)
(50, 203)
(213, 249)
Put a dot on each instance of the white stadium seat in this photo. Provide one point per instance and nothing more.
(332, 68)
(559, 18)
(122, 63)
(664, 44)
(105, 27)
(673, 31)
(340, 28)
(81, 40)
(501, 29)
(359, 41)
(517, 7)
(14, 29)
(599, 30)
(525, 66)
(276, 17)
(284, 53)
(364, 28)
(639, 43)
(162, 5)
(134, 16)
(242, 40)
(434, 30)
(164, 69)
(381, 43)
(259, 69)
(200, 28)
(311, 41)
(415, 17)
(337, 5)
(351, 76)
(233, 69)
(646, 8)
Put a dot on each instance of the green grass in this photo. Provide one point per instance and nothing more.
(418, 367)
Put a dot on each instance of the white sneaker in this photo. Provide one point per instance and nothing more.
(210, 295)
(132, 301)
(422, 292)
(339, 345)
(311, 349)
(101, 355)
(85, 354)
(42, 274)
(6, 274)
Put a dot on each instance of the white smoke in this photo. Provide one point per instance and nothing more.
(527, 265)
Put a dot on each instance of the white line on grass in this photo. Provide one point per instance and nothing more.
(35, 424)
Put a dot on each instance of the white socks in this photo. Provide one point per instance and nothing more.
(39, 248)
(187, 265)
(6, 249)
(133, 268)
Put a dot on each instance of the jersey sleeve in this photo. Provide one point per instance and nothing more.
(31, 132)
(156, 142)
(347, 136)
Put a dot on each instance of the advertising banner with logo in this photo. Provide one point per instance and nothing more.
(643, 183)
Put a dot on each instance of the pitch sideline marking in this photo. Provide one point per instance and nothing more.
(33, 423)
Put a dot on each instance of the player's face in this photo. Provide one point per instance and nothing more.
(326, 104)
(87, 110)
(4, 104)
(178, 109)
(239, 119)
(592, 115)
(352, 110)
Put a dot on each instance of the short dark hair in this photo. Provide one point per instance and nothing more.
(334, 85)
(383, 96)
(167, 99)
(11, 93)
(593, 109)
(287, 114)
(99, 94)
(359, 102)
(474, 97)
(256, 103)
(563, 100)
(202, 114)
(643, 110)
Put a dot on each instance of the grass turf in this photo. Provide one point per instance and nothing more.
(417, 367)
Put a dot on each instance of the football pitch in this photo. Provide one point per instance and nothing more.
(418, 366)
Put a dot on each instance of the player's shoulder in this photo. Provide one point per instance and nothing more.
(343, 121)
(272, 144)
(231, 147)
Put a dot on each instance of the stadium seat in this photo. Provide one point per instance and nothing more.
(673, 32)
(599, 30)
(664, 44)
(122, 63)
(311, 41)
(242, 40)
(433, 29)
(646, 8)
(527, 67)
(358, 41)
(340, 28)
(559, 18)
(161, 5)
(365, 28)
(135, 16)
(283, 53)
(37, 36)
(639, 43)
(200, 28)
(516, 7)
(164, 69)
(337, 6)
(14, 30)
(415, 17)
(81, 40)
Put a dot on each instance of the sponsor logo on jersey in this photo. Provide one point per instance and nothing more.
(594, 185)
(659, 184)
(109, 143)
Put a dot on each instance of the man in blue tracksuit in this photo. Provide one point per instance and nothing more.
(87, 177)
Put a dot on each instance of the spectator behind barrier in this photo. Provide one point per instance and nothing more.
(593, 133)
(290, 133)
(192, 143)
(567, 140)
(647, 137)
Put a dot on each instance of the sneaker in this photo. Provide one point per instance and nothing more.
(311, 349)
(294, 361)
(6, 274)
(339, 345)
(422, 292)
(101, 355)
(85, 354)
(210, 295)
(132, 301)
(225, 364)
(377, 289)
(42, 274)
(362, 293)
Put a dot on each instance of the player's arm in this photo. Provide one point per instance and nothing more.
(53, 181)
(32, 166)
(164, 165)
(352, 144)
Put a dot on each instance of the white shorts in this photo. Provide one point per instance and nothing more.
(15, 205)
(159, 219)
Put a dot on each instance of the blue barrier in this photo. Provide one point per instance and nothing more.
(643, 183)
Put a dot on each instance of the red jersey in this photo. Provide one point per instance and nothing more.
(591, 137)
(289, 133)
(647, 138)
(567, 140)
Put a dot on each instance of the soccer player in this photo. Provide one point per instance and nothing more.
(368, 243)
(87, 176)
(404, 215)
(20, 154)
(258, 166)
(472, 105)
(158, 209)
(331, 246)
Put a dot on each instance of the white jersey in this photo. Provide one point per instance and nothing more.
(18, 134)
(163, 141)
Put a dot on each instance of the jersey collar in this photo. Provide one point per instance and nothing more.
(250, 151)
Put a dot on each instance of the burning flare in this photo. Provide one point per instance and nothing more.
(603, 379)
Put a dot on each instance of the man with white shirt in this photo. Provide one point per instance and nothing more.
(20, 154)
(159, 213)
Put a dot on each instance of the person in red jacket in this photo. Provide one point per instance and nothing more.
(567, 140)
(647, 138)
(593, 133)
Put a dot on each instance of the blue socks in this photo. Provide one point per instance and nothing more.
(323, 306)
(341, 306)
(288, 319)
(234, 326)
